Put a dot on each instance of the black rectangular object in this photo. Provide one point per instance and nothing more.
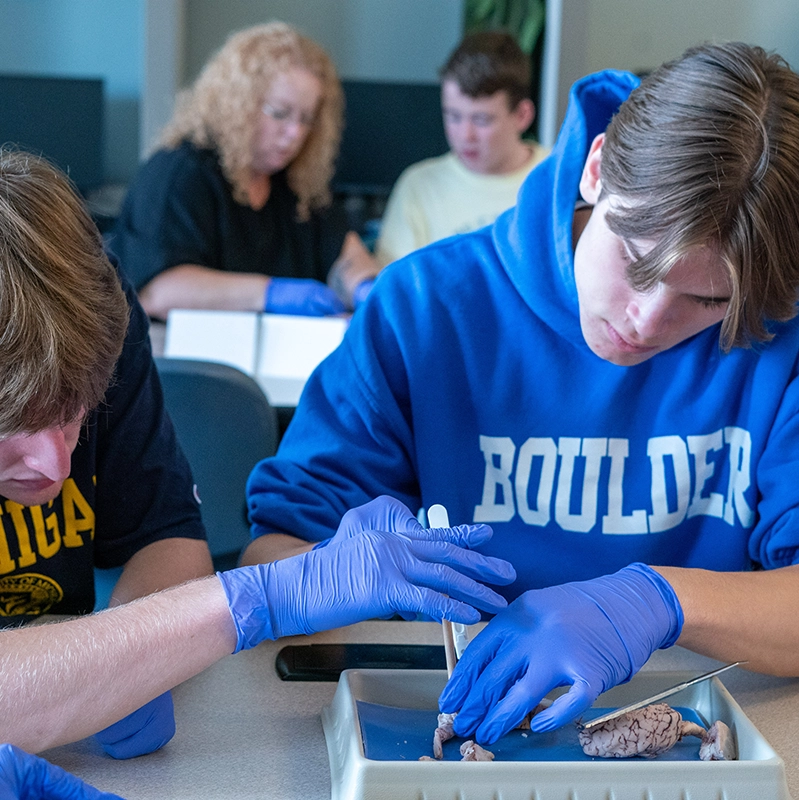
(388, 126)
(60, 118)
(325, 662)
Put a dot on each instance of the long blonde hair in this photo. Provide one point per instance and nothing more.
(223, 107)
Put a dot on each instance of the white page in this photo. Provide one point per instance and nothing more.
(291, 347)
(281, 391)
(228, 337)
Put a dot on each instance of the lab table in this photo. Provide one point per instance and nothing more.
(242, 732)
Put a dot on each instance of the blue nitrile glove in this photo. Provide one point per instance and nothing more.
(590, 635)
(301, 296)
(389, 514)
(27, 777)
(146, 730)
(361, 292)
(371, 575)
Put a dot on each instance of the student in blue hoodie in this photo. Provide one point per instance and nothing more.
(609, 379)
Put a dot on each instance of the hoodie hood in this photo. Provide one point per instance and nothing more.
(537, 232)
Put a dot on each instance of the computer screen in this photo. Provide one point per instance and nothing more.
(388, 126)
(61, 118)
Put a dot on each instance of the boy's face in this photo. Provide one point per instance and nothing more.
(34, 466)
(621, 324)
(484, 132)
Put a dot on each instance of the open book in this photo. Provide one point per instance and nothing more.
(279, 351)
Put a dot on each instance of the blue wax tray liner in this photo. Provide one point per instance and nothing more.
(381, 721)
(403, 734)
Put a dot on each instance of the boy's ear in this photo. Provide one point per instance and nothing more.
(591, 181)
(525, 114)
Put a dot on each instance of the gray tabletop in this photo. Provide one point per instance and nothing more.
(242, 732)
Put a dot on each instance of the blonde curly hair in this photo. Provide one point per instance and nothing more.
(223, 108)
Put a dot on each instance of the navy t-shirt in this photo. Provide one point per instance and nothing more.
(180, 210)
(129, 485)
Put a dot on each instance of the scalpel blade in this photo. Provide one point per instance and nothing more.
(659, 696)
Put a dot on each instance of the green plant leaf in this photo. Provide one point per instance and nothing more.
(531, 28)
(523, 18)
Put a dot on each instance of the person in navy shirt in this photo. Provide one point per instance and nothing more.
(91, 474)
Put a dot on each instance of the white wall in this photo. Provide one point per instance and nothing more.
(633, 34)
(640, 34)
(777, 29)
(399, 40)
(164, 25)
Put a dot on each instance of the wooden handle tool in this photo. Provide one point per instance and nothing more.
(437, 517)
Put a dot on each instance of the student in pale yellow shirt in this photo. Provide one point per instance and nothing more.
(486, 108)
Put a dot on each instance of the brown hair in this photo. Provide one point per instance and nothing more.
(488, 62)
(706, 152)
(223, 107)
(63, 314)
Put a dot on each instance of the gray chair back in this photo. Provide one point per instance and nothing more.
(225, 425)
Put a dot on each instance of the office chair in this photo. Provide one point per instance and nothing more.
(225, 425)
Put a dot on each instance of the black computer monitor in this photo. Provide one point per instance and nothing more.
(61, 118)
(388, 127)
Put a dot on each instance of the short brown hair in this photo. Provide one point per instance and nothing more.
(488, 62)
(706, 152)
(223, 107)
(63, 313)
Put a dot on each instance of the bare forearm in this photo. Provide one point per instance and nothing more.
(735, 616)
(193, 286)
(160, 565)
(274, 547)
(66, 680)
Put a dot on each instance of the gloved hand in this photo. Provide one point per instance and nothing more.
(370, 575)
(589, 635)
(27, 777)
(301, 296)
(389, 514)
(146, 730)
(361, 292)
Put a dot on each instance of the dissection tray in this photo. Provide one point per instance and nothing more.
(381, 721)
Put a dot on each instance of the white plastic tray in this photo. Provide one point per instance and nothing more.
(759, 773)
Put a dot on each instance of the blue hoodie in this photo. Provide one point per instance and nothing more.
(465, 380)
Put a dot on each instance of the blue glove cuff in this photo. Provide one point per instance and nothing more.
(244, 590)
(670, 601)
(302, 297)
(143, 731)
(269, 284)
